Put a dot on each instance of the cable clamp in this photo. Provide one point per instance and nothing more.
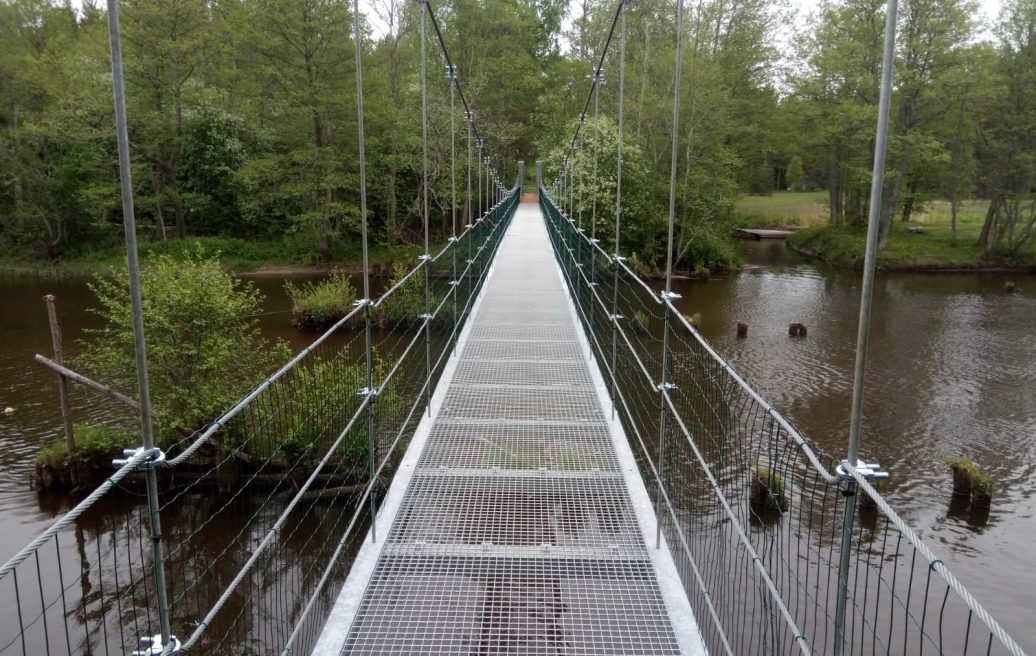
(469, 116)
(454, 283)
(155, 456)
(368, 392)
(153, 646)
(870, 471)
(453, 239)
(617, 259)
(598, 77)
(451, 72)
(669, 296)
(425, 316)
(424, 257)
(666, 387)
(360, 302)
(615, 317)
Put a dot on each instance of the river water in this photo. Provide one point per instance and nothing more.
(952, 372)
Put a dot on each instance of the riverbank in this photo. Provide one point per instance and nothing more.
(927, 251)
(253, 258)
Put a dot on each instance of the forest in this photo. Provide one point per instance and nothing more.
(244, 133)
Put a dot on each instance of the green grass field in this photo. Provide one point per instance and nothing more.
(929, 249)
(783, 208)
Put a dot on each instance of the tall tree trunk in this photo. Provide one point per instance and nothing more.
(955, 168)
(908, 202)
(834, 192)
(391, 220)
(984, 235)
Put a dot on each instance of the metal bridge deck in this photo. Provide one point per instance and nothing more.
(517, 523)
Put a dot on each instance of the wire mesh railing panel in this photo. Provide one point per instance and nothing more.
(752, 511)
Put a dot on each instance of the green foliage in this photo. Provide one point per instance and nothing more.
(94, 443)
(406, 302)
(317, 305)
(203, 343)
(324, 398)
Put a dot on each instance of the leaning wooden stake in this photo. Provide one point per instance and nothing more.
(66, 410)
(92, 384)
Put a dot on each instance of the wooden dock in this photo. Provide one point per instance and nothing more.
(761, 233)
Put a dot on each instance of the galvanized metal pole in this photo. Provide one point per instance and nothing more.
(598, 80)
(140, 350)
(367, 341)
(471, 207)
(863, 331)
(427, 259)
(618, 210)
(451, 76)
(668, 296)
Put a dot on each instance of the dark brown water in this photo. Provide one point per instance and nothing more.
(952, 371)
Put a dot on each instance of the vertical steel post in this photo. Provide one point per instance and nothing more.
(368, 349)
(618, 210)
(470, 229)
(451, 76)
(667, 296)
(863, 331)
(598, 80)
(427, 259)
(140, 350)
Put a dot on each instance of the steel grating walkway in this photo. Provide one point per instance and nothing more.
(517, 523)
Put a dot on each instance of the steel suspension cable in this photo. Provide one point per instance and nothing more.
(600, 65)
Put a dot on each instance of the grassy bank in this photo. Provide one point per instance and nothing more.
(930, 249)
(783, 208)
(236, 255)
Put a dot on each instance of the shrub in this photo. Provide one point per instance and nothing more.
(318, 305)
(203, 342)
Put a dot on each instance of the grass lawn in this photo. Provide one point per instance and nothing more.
(930, 249)
(783, 208)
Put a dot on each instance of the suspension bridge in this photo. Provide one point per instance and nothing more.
(520, 447)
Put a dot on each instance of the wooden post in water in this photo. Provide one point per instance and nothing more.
(55, 338)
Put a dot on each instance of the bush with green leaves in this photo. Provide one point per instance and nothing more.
(323, 398)
(94, 442)
(318, 305)
(204, 348)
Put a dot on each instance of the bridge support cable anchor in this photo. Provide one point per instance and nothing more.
(154, 646)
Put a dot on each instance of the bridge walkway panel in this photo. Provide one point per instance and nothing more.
(517, 523)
